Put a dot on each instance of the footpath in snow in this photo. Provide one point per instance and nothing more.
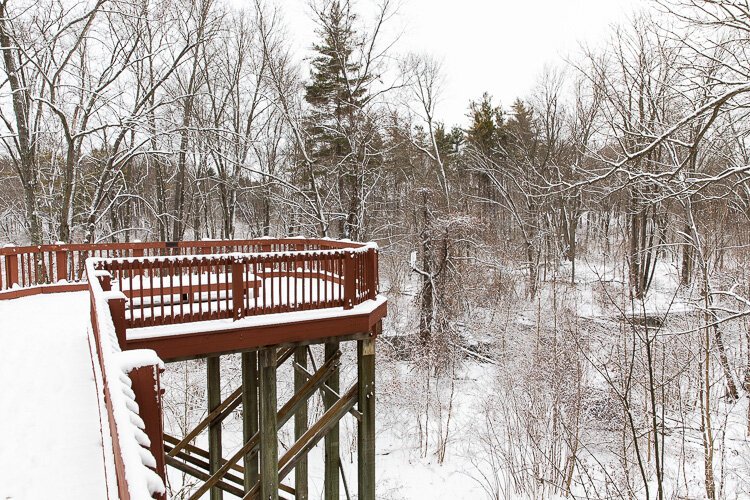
(50, 432)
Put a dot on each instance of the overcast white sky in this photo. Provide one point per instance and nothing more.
(496, 46)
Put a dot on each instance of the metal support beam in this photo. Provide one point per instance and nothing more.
(302, 371)
(197, 461)
(300, 424)
(199, 474)
(331, 441)
(213, 365)
(217, 415)
(314, 434)
(251, 446)
(269, 452)
(366, 428)
(250, 413)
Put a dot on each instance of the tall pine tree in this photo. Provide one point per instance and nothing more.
(340, 130)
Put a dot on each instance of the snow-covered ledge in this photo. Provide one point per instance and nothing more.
(134, 461)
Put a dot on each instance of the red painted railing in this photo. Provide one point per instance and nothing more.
(144, 284)
(132, 399)
(168, 290)
(135, 291)
(62, 266)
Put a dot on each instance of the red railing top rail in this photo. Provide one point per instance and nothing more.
(60, 267)
(104, 262)
(165, 290)
(134, 464)
(322, 243)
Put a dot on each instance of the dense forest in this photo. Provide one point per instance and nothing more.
(584, 248)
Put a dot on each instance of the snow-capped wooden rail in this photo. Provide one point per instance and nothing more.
(132, 398)
(195, 305)
(159, 302)
(30, 270)
(184, 289)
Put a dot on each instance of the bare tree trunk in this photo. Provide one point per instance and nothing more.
(686, 268)
(26, 160)
(427, 302)
(747, 374)
(706, 429)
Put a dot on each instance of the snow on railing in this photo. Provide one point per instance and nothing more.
(181, 289)
(136, 466)
(62, 265)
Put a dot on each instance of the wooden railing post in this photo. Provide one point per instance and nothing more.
(61, 263)
(372, 272)
(117, 310)
(350, 277)
(138, 253)
(238, 289)
(105, 280)
(11, 268)
(148, 394)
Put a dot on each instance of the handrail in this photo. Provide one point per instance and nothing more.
(184, 281)
(130, 383)
(181, 289)
(135, 291)
(61, 266)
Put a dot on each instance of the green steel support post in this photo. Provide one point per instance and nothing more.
(366, 429)
(300, 425)
(331, 442)
(269, 452)
(213, 364)
(250, 413)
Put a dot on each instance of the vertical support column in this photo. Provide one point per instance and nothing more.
(300, 425)
(350, 280)
(138, 253)
(250, 413)
(213, 365)
(269, 452)
(331, 442)
(372, 273)
(116, 301)
(366, 428)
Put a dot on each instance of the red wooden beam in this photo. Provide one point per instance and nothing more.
(234, 339)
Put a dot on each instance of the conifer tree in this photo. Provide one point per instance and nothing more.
(486, 131)
(339, 128)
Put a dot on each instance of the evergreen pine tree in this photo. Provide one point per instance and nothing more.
(486, 131)
(338, 126)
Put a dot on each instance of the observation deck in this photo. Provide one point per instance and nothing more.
(152, 303)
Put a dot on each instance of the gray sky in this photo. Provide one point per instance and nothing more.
(496, 46)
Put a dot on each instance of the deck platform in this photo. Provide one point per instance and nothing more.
(97, 369)
(50, 406)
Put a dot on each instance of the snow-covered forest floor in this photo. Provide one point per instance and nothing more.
(535, 399)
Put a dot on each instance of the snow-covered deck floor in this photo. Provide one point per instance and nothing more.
(50, 430)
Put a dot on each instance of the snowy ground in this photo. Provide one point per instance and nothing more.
(50, 433)
(403, 471)
(64, 444)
